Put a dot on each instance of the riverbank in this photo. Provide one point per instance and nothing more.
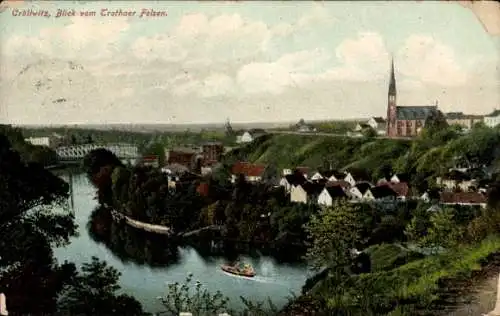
(152, 228)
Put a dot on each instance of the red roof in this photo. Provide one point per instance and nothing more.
(248, 169)
(463, 198)
(341, 183)
(400, 188)
(150, 158)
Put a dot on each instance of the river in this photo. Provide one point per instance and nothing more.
(147, 265)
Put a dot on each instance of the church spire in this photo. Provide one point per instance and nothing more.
(392, 83)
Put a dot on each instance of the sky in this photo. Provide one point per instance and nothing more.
(205, 62)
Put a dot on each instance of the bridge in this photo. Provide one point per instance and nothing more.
(78, 152)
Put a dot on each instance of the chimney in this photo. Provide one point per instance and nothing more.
(437, 103)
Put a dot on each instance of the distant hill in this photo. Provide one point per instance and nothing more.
(137, 127)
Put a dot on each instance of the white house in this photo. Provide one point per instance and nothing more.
(48, 141)
(307, 192)
(399, 177)
(456, 180)
(330, 175)
(328, 194)
(378, 124)
(316, 177)
(354, 177)
(298, 194)
(379, 193)
(358, 191)
(291, 180)
(246, 137)
(492, 119)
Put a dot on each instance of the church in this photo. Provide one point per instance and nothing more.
(405, 121)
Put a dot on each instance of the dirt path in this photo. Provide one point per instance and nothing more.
(483, 298)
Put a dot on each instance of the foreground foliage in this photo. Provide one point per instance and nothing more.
(193, 298)
(34, 218)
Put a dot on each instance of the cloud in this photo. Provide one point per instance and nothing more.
(223, 37)
(318, 15)
(215, 84)
(84, 38)
(426, 59)
(287, 71)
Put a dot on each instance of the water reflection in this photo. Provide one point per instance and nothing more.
(148, 261)
(130, 244)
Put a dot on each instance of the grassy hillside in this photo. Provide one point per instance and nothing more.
(424, 157)
(285, 151)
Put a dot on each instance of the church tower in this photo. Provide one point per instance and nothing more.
(391, 104)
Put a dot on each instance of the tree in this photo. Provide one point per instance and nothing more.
(440, 230)
(28, 229)
(435, 122)
(30, 277)
(333, 233)
(155, 149)
(94, 292)
(444, 231)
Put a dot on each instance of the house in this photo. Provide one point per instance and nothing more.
(246, 137)
(492, 119)
(182, 155)
(355, 176)
(52, 141)
(358, 190)
(151, 161)
(306, 129)
(250, 136)
(328, 175)
(212, 152)
(361, 126)
(329, 194)
(466, 121)
(341, 183)
(400, 177)
(377, 123)
(455, 179)
(251, 172)
(302, 127)
(401, 189)
(380, 193)
(463, 198)
(307, 192)
(291, 180)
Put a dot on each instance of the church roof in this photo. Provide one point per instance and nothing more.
(392, 82)
(414, 112)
